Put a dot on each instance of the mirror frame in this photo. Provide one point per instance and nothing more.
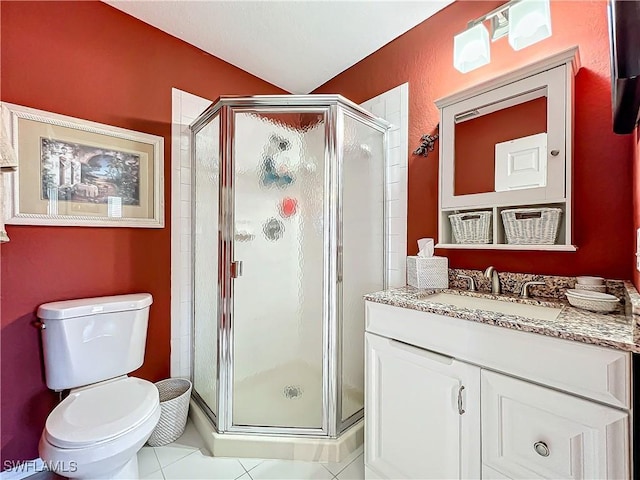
(557, 126)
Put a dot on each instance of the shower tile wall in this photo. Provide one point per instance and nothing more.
(185, 109)
(392, 106)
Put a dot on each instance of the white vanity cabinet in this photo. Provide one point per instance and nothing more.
(422, 415)
(521, 413)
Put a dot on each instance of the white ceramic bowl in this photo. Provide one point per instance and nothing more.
(592, 301)
(593, 288)
(590, 280)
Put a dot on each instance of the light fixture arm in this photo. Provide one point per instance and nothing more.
(501, 10)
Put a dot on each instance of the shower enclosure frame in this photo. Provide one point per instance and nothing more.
(331, 106)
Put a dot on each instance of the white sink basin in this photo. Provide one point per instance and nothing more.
(490, 305)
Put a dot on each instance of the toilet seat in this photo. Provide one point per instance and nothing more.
(101, 412)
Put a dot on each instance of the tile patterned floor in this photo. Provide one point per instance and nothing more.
(187, 459)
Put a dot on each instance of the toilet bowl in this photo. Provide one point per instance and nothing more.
(89, 346)
(97, 430)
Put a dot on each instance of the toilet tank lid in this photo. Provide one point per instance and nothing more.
(92, 306)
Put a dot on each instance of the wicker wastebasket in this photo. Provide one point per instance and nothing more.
(174, 403)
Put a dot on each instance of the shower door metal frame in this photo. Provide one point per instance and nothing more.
(383, 127)
(334, 107)
(202, 121)
(252, 105)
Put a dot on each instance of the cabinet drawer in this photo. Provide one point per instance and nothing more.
(531, 432)
(590, 371)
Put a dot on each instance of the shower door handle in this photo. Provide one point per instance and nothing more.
(236, 269)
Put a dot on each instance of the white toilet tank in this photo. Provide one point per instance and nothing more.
(93, 339)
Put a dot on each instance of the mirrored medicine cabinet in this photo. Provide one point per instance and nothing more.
(506, 160)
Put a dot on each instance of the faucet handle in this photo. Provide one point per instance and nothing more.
(524, 292)
(471, 281)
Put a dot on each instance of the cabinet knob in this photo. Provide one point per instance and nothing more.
(541, 449)
(555, 153)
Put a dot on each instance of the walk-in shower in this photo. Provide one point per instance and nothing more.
(288, 233)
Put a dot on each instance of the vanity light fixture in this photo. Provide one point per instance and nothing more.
(530, 22)
(471, 48)
(525, 21)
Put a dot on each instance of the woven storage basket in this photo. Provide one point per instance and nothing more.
(175, 394)
(531, 226)
(471, 227)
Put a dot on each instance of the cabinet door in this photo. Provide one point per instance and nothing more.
(529, 431)
(421, 413)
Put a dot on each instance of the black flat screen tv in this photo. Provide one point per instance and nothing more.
(624, 37)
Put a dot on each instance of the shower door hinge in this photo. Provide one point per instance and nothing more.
(236, 269)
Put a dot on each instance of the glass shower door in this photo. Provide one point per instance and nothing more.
(206, 164)
(363, 247)
(278, 166)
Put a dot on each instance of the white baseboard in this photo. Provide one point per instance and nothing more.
(21, 469)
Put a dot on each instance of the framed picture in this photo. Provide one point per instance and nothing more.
(80, 173)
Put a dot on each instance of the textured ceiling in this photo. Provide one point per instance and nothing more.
(296, 45)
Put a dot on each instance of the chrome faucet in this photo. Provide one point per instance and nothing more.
(471, 282)
(492, 273)
(524, 292)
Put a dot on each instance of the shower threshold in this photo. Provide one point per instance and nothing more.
(277, 447)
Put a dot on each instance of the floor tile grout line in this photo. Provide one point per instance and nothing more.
(243, 467)
(343, 468)
(175, 461)
(246, 472)
(327, 469)
(257, 464)
(157, 460)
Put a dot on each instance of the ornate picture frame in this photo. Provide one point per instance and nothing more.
(74, 172)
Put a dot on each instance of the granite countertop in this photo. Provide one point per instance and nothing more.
(619, 329)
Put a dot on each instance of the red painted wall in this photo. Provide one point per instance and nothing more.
(89, 60)
(602, 164)
(476, 139)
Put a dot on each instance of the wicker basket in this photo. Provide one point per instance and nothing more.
(472, 227)
(175, 394)
(531, 226)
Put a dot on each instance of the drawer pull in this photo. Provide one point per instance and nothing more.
(541, 449)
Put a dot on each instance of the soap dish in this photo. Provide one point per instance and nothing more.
(592, 301)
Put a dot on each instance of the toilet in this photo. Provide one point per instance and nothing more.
(89, 346)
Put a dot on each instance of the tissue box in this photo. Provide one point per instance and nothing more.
(428, 272)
